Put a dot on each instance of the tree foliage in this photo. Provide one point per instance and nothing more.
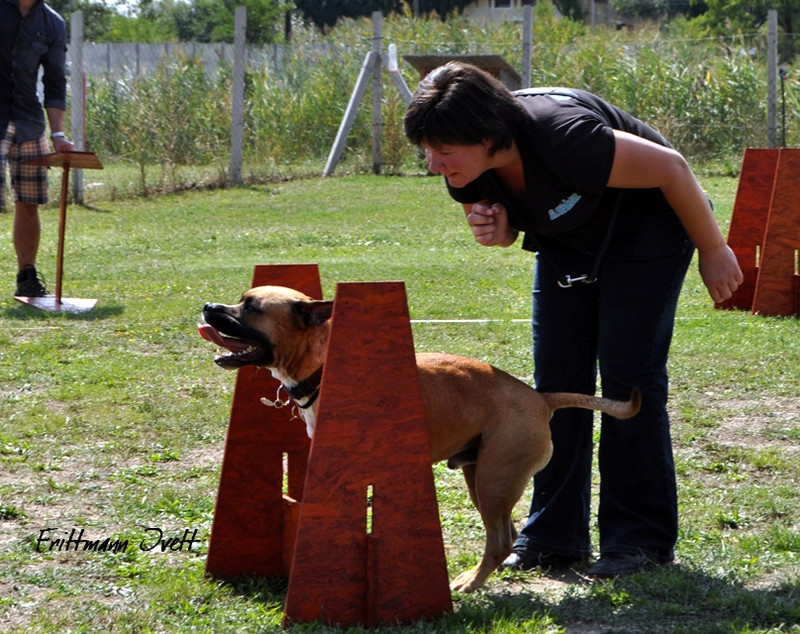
(572, 9)
(442, 8)
(659, 9)
(213, 20)
(724, 17)
(325, 13)
(150, 21)
(97, 17)
(733, 17)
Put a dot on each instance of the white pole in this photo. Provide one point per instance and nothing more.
(390, 62)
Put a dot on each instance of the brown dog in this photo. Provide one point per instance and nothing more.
(492, 425)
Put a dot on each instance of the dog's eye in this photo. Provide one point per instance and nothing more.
(249, 305)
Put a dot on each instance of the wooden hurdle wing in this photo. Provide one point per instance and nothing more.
(369, 545)
(255, 521)
(765, 233)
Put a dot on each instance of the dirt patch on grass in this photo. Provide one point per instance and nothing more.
(761, 423)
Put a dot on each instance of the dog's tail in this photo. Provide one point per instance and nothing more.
(618, 409)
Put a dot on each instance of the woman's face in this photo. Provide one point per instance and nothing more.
(459, 164)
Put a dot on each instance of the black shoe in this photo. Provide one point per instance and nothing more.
(612, 565)
(30, 284)
(524, 559)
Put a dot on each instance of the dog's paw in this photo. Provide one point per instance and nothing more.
(468, 581)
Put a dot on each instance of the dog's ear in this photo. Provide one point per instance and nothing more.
(315, 312)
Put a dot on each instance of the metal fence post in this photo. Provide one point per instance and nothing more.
(527, 43)
(377, 92)
(78, 98)
(237, 116)
(772, 79)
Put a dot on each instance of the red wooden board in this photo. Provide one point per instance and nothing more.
(370, 439)
(82, 160)
(765, 233)
(253, 528)
(749, 220)
(777, 285)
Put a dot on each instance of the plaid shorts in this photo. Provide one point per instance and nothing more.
(28, 182)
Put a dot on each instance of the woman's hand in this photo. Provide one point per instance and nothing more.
(489, 224)
(720, 271)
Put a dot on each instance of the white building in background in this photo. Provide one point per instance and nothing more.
(596, 11)
(494, 10)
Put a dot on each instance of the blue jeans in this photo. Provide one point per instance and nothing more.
(622, 326)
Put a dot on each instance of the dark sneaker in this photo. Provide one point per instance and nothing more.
(611, 565)
(524, 559)
(30, 284)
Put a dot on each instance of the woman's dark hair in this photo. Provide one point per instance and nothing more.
(460, 104)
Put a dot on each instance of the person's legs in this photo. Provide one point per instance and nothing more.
(27, 233)
(29, 185)
(564, 349)
(626, 320)
(639, 291)
(4, 148)
(2, 181)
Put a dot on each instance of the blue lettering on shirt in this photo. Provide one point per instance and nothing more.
(564, 206)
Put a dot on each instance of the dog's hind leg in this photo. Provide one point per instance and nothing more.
(507, 459)
(500, 535)
(469, 477)
(495, 499)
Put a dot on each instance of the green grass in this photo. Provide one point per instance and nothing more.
(114, 421)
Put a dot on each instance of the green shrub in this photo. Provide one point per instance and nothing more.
(176, 117)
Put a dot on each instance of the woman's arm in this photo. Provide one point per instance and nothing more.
(639, 163)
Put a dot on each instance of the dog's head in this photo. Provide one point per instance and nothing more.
(264, 328)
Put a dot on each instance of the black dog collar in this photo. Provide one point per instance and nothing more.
(306, 387)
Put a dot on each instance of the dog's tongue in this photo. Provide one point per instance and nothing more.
(209, 333)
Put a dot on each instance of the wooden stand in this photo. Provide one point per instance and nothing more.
(369, 544)
(254, 521)
(765, 233)
(65, 160)
(360, 540)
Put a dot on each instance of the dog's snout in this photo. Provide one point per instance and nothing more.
(213, 311)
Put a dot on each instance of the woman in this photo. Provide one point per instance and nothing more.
(614, 215)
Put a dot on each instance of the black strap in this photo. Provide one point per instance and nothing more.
(566, 280)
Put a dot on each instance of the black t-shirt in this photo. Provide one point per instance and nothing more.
(567, 150)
